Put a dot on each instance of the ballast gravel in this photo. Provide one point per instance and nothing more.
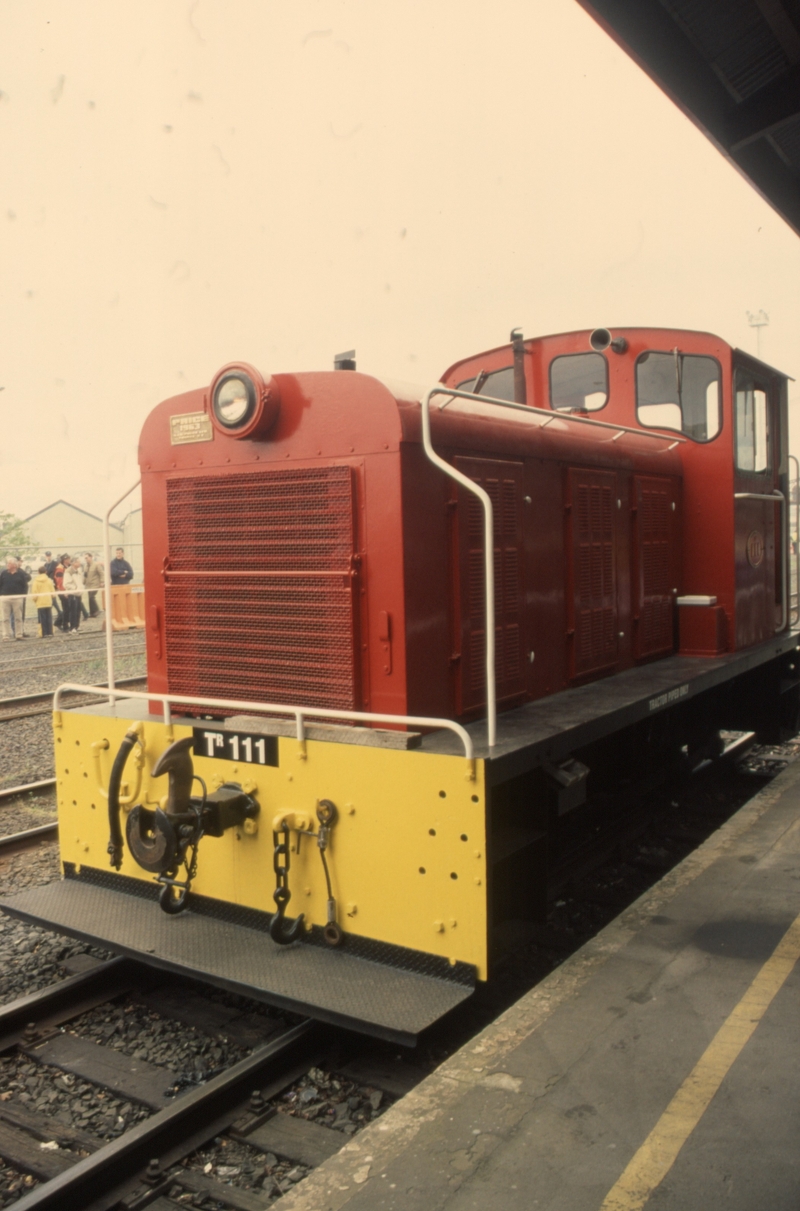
(28, 811)
(34, 665)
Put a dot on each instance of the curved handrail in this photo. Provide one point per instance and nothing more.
(300, 713)
(794, 615)
(555, 414)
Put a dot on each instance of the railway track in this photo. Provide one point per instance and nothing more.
(25, 706)
(244, 1108)
(94, 652)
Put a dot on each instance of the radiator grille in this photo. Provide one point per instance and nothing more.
(259, 592)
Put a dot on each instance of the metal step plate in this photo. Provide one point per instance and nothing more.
(395, 998)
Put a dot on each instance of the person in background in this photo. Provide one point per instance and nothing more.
(26, 572)
(50, 566)
(79, 564)
(73, 585)
(42, 590)
(61, 567)
(13, 586)
(121, 570)
(94, 580)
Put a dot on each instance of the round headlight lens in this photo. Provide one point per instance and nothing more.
(234, 400)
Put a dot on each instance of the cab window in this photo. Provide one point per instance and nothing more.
(579, 382)
(752, 425)
(680, 391)
(499, 384)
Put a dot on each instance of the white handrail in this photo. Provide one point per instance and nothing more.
(488, 526)
(794, 459)
(301, 713)
(556, 414)
(488, 554)
(107, 554)
(776, 497)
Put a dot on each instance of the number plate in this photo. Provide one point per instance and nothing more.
(235, 746)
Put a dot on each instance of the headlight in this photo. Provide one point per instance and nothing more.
(234, 400)
(243, 402)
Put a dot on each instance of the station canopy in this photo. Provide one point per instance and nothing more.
(733, 67)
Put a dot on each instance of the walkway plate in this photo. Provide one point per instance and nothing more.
(393, 994)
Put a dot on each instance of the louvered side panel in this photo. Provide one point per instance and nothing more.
(654, 563)
(258, 587)
(503, 483)
(593, 623)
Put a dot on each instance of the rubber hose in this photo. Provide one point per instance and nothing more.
(114, 782)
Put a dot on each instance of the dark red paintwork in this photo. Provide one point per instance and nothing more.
(415, 622)
(716, 525)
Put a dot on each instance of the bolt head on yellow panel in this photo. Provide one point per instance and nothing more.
(438, 927)
(351, 910)
(251, 827)
(453, 924)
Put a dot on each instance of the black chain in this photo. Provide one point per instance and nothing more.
(280, 864)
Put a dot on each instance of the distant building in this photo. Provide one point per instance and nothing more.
(65, 529)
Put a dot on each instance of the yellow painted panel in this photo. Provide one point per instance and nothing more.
(407, 855)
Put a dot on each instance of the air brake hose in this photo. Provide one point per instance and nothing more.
(115, 839)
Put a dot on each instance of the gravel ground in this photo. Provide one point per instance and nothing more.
(29, 811)
(31, 958)
(185, 1052)
(26, 753)
(37, 665)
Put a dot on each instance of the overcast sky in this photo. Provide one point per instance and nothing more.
(184, 184)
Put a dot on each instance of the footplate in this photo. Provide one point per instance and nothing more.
(387, 991)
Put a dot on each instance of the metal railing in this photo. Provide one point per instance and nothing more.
(551, 414)
(299, 713)
(776, 497)
(794, 595)
(488, 521)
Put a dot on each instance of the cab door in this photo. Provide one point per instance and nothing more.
(760, 509)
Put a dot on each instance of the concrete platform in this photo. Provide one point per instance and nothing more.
(658, 1067)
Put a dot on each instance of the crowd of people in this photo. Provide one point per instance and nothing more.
(58, 588)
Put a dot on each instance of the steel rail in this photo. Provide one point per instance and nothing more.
(301, 713)
(28, 834)
(67, 998)
(99, 1181)
(46, 695)
(11, 792)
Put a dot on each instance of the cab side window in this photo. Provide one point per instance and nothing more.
(679, 391)
(752, 424)
(579, 382)
(499, 384)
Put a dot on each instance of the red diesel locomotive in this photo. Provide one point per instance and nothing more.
(311, 553)
(344, 580)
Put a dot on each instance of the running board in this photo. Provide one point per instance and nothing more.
(364, 986)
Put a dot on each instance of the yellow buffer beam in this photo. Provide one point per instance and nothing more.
(407, 854)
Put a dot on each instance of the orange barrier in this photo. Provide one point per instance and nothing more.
(127, 607)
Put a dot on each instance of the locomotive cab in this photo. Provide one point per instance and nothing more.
(729, 414)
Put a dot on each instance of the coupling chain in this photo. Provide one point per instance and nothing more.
(280, 864)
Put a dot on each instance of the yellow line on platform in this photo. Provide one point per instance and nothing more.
(658, 1153)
